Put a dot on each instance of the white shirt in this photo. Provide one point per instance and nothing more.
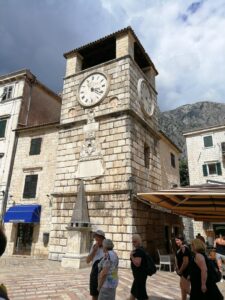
(99, 254)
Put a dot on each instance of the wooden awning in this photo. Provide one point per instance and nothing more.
(202, 203)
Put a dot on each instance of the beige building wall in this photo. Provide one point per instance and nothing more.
(44, 165)
(170, 175)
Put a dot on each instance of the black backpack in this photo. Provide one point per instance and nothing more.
(150, 265)
(214, 274)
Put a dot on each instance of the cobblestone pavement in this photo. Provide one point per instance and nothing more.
(28, 278)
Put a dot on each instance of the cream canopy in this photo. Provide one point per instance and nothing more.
(203, 202)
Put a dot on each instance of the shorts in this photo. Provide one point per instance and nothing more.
(94, 279)
(220, 256)
(107, 293)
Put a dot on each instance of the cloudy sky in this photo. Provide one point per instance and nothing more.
(185, 40)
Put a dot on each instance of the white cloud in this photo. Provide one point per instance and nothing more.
(187, 46)
(184, 39)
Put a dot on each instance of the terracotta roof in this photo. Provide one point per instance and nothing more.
(204, 129)
(119, 32)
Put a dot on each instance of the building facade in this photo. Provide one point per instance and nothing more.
(24, 101)
(169, 161)
(206, 155)
(31, 186)
(109, 138)
(206, 165)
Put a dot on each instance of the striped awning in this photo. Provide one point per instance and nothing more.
(202, 203)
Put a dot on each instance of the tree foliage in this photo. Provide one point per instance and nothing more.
(184, 175)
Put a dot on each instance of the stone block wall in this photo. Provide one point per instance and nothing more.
(111, 213)
(119, 217)
(169, 175)
(123, 131)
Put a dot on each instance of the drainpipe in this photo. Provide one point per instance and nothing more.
(29, 100)
(5, 197)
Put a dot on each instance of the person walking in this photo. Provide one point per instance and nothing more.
(95, 255)
(200, 237)
(219, 244)
(138, 266)
(108, 272)
(183, 256)
(202, 288)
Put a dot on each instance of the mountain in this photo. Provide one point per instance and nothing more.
(189, 117)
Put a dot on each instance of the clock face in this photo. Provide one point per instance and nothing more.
(92, 89)
(146, 97)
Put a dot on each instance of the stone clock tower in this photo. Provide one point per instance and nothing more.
(108, 137)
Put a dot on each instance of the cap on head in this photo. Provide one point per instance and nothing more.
(99, 233)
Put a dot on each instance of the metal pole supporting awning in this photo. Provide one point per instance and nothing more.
(202, 203)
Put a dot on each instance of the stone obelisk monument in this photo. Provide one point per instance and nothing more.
(78, 241)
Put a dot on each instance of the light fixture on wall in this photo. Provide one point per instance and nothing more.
(50, 200)
(131, 183)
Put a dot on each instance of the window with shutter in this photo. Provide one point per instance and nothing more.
(146, 155)
(172, 159)
(30, 186)
(2, 127)
(205, 172)
(212, 169)
(35, 146)
(208, 141)
(219, 170)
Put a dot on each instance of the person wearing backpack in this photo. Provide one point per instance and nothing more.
(203, 281)
(139, 269)
(219, 244)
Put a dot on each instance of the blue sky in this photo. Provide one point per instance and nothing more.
(185, 40)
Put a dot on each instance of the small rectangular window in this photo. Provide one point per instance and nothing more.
(30, 186)
(7, 93)
(173, 160)
(146, 156)
(35, 146)
(2, 127)
(208, 141)
(212, 169)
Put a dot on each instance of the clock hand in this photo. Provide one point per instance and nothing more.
(97, 91)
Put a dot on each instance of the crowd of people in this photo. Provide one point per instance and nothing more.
(192, 265)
